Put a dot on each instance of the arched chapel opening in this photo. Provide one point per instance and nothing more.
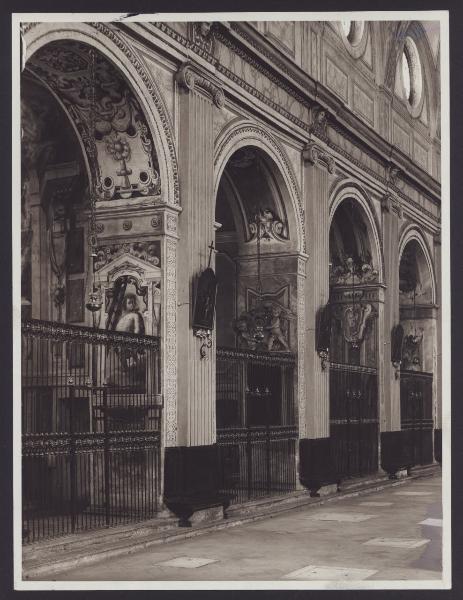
(418, 323)
(90, 295)
(353, 306)
(256, 267)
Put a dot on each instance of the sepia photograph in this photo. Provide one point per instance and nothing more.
(231, 289)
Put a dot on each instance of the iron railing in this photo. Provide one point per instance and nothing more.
(256, 431)
(354, 423)
(91, 417)
(416, 416)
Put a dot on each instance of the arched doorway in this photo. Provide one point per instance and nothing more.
(355, 269)
(417, 365)
(256, 265)
(90, 294)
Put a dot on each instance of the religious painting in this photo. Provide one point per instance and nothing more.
(205, 300)
(127, 302)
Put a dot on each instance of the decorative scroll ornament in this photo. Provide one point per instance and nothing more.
(190, 78)
(354, 319)
(350, 273)
(268, 226)
(390, 203)
(314, 154)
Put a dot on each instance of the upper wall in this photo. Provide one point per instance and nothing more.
(366, 76)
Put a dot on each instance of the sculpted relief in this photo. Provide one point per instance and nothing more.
(107, 116)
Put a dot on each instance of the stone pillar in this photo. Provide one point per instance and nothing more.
(198, 99)
(315, 469)
(389, 381)
(318, 165)
(191, 470)
(438, 337)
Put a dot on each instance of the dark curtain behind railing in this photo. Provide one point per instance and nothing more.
(91, 416)
(256, 431)
(416, 416)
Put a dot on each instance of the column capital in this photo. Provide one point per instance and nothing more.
(191, 78)
(314, 154)
(390, 203)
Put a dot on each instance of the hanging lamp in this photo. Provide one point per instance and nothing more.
(95, 299)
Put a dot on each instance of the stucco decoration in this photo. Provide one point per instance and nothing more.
(354, 319)
(351, 273)
(148, 251)
(120, 148)
(269, 226)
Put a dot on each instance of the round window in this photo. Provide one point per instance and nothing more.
(411, 73)
(353, 31)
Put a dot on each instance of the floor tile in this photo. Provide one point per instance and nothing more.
(396, 542)
(187, 562)
(375, 503)
(322, 573)
(349, 517)
(432, 522)
(413, 493)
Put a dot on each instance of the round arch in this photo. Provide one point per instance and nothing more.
(351, 190)
(247, 133)
(412, 233)
(124, 59)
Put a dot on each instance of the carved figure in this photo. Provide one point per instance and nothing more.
(245, 338)
(131, 320)
(274, 329)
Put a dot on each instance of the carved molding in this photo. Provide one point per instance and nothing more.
(301, 391)
(281, 83)
(170, 343)
(147, 251)
(191, 79)
(315, 154)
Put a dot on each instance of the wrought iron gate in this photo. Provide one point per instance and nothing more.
(354, 423)
(416, 415)
(256, 431)
(91, 429)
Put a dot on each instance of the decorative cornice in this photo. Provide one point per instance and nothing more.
(381, 146)
(191, 79)
(315, 154)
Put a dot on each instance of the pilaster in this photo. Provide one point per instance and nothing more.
(199, 98)
(389, 382)
(318, 165)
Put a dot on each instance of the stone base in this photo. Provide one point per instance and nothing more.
(316, 468)
(191, 488)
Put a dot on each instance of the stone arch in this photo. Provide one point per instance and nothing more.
(412, 233)
(248, 133)
(126, 61)
(352, 190)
